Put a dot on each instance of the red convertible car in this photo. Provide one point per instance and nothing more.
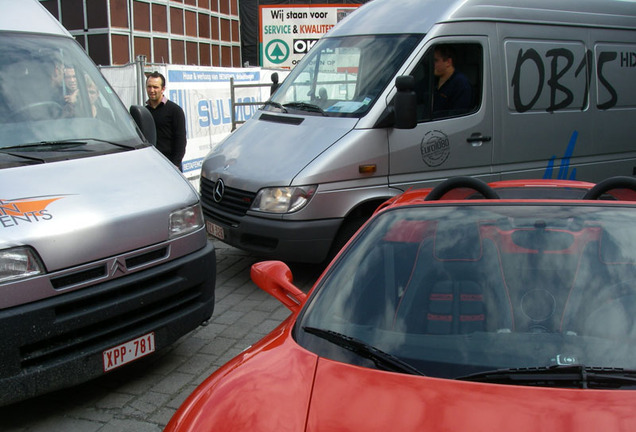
(469, 307)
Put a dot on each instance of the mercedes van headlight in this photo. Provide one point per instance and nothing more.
(283, 199)
(186, 220)
(19, 263)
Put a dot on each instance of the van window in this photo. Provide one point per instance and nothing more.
(344, 76)
(448, 81)
(51, 94)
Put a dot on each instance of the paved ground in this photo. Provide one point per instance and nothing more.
(143, 398)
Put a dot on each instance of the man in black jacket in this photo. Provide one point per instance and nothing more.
(169, 120)
(453, 94)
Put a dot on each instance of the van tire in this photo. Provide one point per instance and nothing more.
(348, 228)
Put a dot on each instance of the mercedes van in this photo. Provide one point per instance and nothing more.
(552, 96)
(104, 258)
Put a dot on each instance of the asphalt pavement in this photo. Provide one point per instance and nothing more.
(144, 396)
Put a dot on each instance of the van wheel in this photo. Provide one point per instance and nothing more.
(346, 231)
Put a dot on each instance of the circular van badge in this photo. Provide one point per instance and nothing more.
(435, 148)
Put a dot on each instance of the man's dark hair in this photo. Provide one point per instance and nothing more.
(156, 74)
(446, 51)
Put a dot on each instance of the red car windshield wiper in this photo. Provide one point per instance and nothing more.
(380, 358)
(566, 376)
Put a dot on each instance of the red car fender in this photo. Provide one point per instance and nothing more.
(265, 388)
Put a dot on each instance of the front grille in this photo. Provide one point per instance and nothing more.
(234, 201)
(79, 277)
(146, 258)
(59, 341)
(97, 272)
(110, 314)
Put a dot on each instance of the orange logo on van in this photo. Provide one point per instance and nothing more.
(25, 210)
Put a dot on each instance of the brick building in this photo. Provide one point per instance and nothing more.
(192, 32)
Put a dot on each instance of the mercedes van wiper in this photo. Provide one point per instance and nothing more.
(567, 376)
(275, 105)
(380, 358)
(303, 106)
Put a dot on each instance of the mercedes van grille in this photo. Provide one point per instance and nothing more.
(233, 201)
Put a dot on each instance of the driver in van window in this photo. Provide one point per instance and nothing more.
(61, 77)
(453, 93)
(70, 82)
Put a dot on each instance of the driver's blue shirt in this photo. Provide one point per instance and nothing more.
(453, 97)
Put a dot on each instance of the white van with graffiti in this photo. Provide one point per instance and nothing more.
(104, 258)
(549, 92)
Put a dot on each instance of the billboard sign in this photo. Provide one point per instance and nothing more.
(287, 33)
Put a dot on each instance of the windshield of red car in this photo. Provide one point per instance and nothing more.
(458, 289)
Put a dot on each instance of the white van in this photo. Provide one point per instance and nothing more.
(104, 258)
(553, 96)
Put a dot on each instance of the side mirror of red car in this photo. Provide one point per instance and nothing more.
(275, 278)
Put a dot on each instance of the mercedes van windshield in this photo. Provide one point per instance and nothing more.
(52, 98)
(343, 76)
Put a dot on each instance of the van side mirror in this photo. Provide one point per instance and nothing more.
(405, 103)
(275, 83)
(145, 122)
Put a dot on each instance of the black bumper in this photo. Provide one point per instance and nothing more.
(58, 342)
(294, 241)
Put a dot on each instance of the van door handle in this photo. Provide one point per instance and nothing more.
(476, 139)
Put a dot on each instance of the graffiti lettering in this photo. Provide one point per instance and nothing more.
(555, 75)
(559, 78)
(533, 56)
(628, 59)
(586, 66)
(604, 58)
(564, 167)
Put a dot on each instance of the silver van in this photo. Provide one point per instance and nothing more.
(552, 95)
(104, 258)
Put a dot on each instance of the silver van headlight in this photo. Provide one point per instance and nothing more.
(283, 199)
(186, 220)
(19, 263)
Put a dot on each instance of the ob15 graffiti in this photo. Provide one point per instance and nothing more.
(552, 77)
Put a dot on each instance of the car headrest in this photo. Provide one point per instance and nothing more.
(456, 241)
(611, 252)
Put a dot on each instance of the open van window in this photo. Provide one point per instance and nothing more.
(343, 76)
(460, 91)
(50, 92)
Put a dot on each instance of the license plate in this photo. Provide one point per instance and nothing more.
(215, 230)
(128, 351)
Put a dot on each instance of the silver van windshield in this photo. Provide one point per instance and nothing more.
(51, 92)
(343, 76)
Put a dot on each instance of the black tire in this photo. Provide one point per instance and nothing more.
(346, 231)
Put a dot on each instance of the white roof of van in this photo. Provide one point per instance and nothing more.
(419, 16)
(28, 16)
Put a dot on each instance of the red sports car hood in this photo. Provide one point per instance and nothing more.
(350, 398)
(265, 388)
(279, 386)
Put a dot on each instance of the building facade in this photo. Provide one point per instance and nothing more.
(188, 32)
